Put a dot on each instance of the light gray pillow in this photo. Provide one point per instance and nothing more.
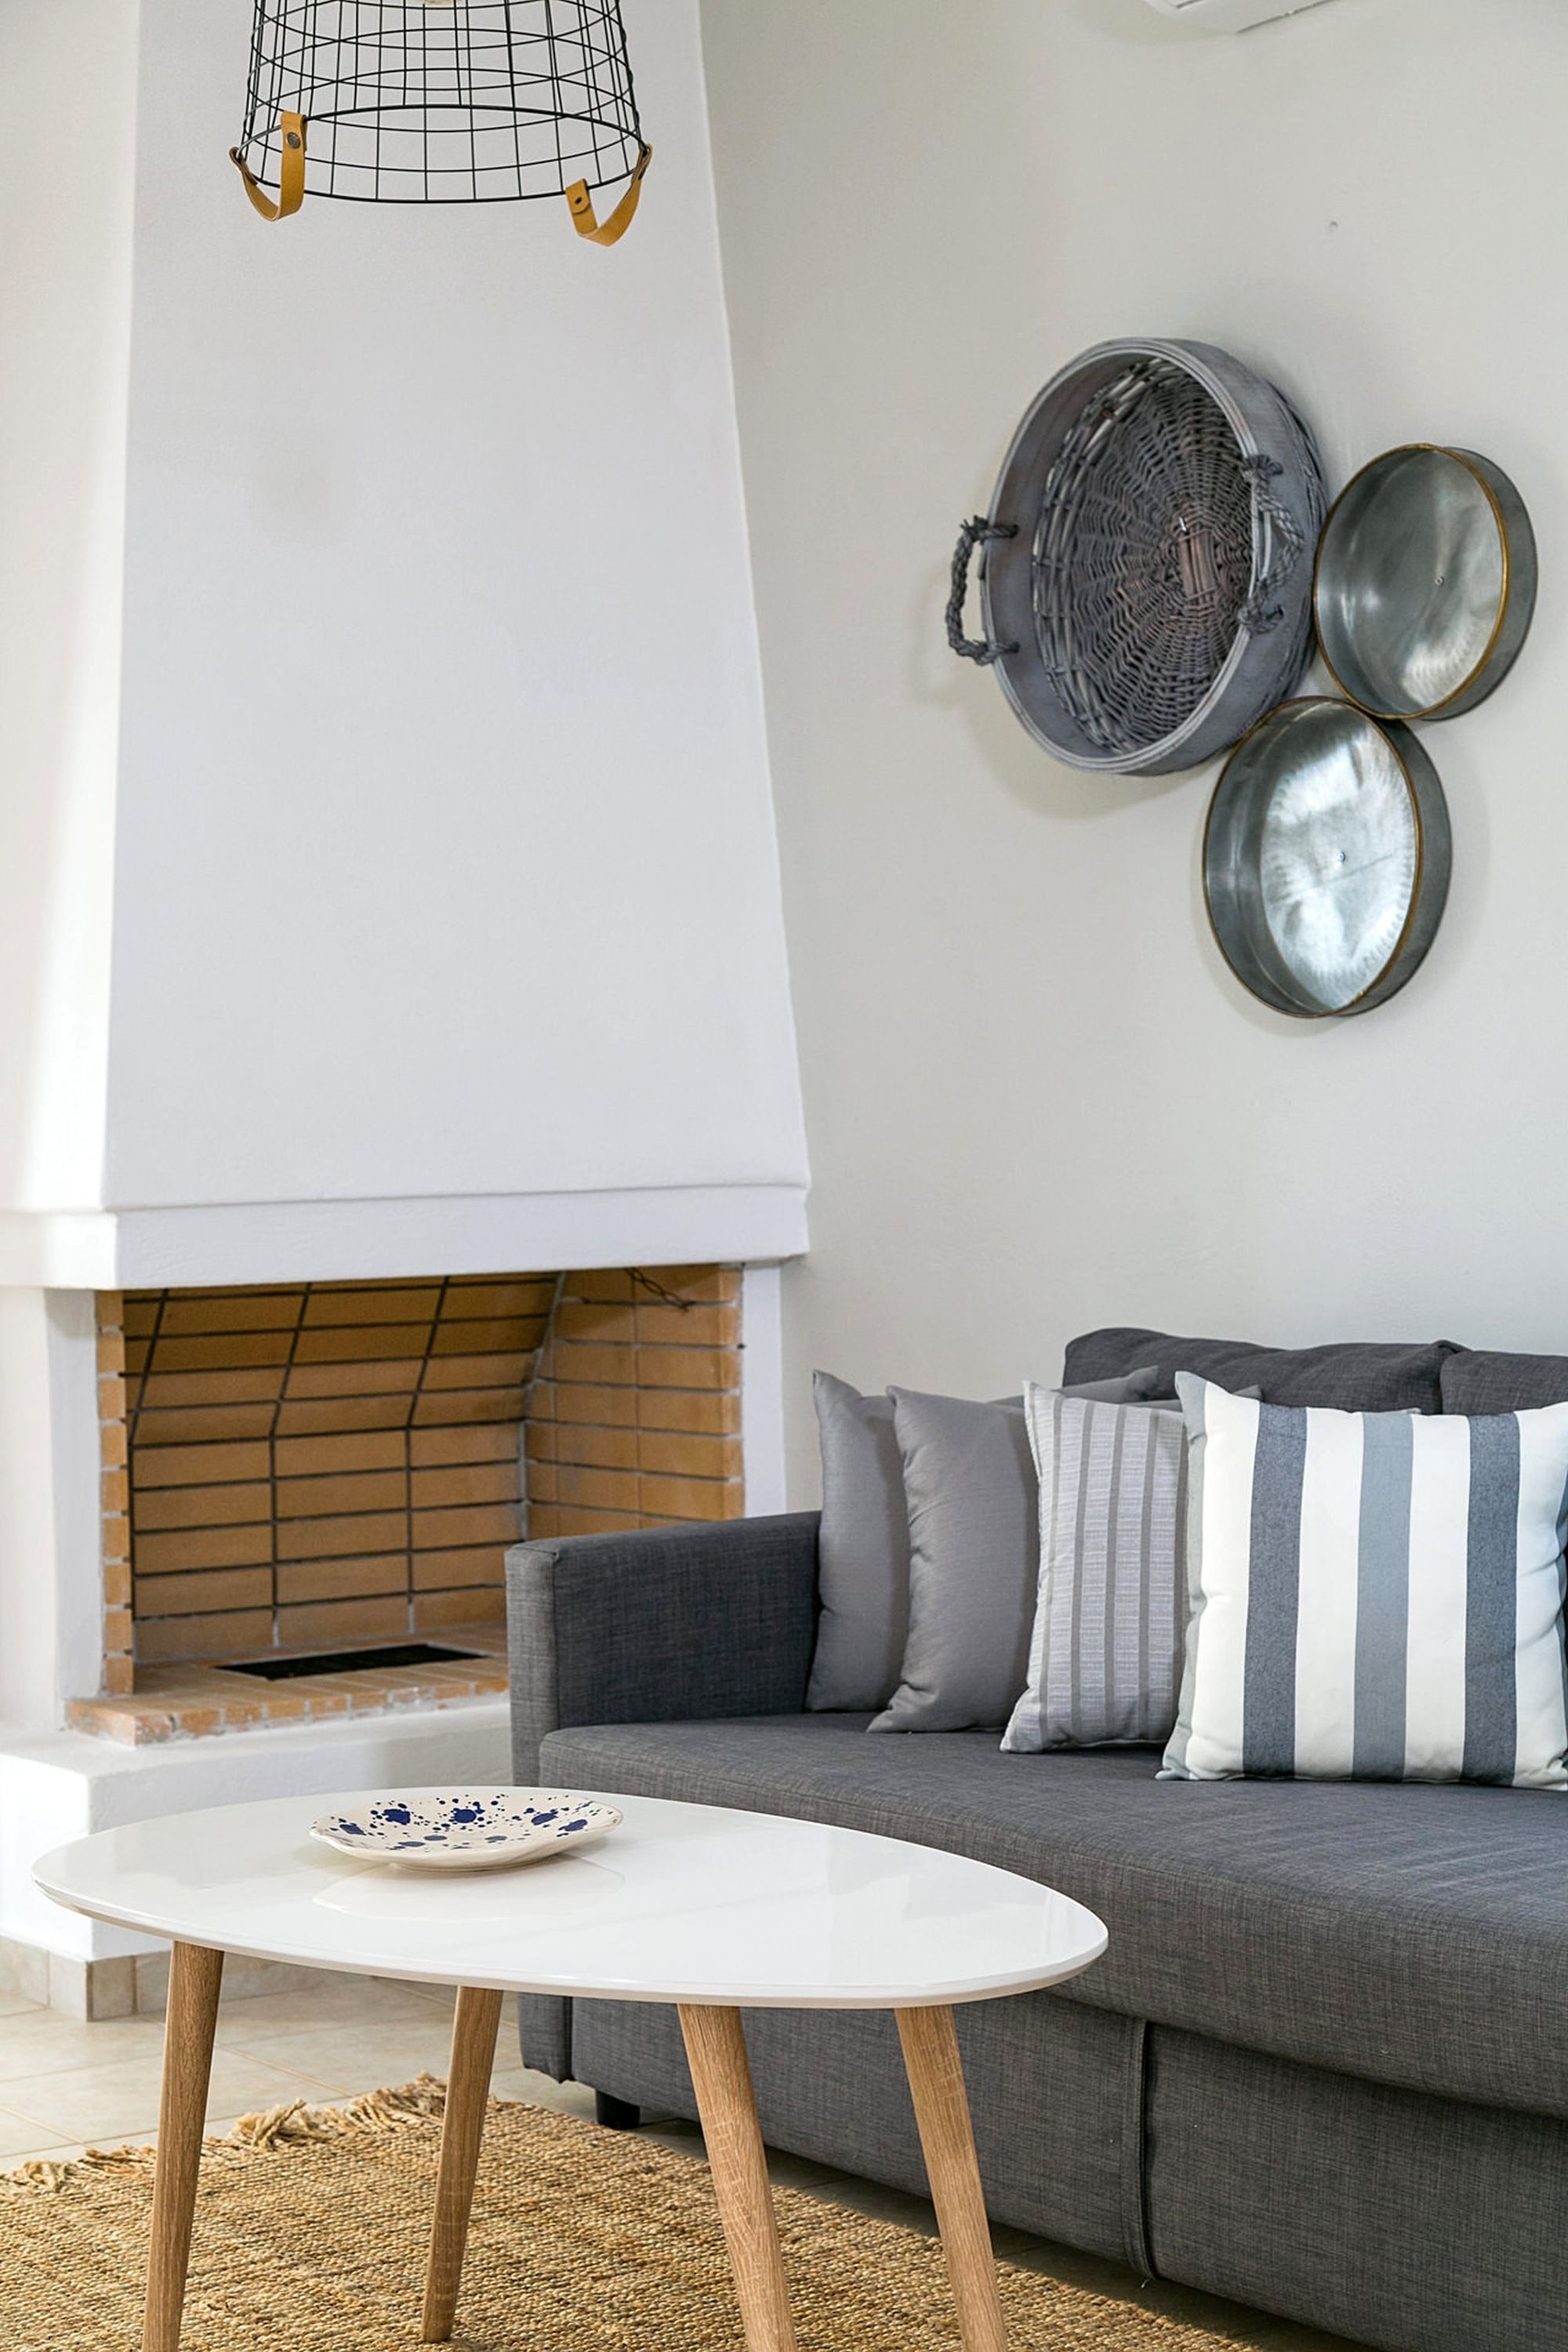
(862, 1552)
(1105, 1653)
(973, 1499)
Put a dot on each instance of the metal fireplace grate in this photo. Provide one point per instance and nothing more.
(351, 1661)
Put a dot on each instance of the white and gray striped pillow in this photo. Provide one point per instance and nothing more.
(1374, 1596)
(1104, 1657)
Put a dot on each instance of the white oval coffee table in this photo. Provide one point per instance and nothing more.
(711, 1910)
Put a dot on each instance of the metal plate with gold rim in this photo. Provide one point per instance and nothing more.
(1424, 582)
(1326, 858)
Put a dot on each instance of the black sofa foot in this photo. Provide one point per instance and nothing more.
(616, 2115)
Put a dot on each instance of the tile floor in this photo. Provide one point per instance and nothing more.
(63, 2086)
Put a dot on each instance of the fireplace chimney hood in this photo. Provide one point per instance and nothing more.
(387, 871)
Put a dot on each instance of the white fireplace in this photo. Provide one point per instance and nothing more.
(388, 887)
(60, 1778)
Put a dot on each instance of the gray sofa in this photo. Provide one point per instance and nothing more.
(1323, 2066)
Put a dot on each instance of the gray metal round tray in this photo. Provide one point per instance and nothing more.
(1425, 583)
(1146, 575)
(1326, 858)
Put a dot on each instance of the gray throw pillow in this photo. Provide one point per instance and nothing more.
(972, 1498)
(862, 1552)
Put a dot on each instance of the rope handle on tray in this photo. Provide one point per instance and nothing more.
(291, 172)
(1261, 613)
(975, 534)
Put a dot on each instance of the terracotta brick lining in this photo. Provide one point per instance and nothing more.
(635, 1419)
(304, 1466)
(118, 1661)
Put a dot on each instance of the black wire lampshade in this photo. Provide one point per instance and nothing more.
(442, 101)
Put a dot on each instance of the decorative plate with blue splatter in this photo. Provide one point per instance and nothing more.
(455, 1828)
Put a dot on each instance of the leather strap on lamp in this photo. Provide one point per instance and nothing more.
(608, 232)
(290, 173)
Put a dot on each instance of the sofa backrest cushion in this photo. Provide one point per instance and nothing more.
(1353, 1375)
(1481, 1380)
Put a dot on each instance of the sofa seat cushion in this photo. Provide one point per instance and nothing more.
(1415, 1935)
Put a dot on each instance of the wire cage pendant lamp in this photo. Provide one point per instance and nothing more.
(442, 101)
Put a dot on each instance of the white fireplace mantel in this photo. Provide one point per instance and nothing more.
(349, 1241)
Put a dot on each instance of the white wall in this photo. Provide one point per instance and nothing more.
(1037, 1101)
(51, 1538)
(67, 195)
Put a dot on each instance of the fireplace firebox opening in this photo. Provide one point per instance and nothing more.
(299, 1468)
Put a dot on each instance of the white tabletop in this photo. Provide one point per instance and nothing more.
(682, 1903)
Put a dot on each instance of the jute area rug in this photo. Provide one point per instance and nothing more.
(310, 2232)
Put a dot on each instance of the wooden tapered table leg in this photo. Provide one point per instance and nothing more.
(947, 2137)
(467, 2089)
(195, 1977)
(721, 2076)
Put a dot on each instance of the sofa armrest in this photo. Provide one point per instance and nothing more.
(660, 1625)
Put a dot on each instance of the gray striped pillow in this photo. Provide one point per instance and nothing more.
(1104, 1657)
(1374, 1596)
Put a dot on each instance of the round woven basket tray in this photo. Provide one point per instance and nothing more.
(1147, 562)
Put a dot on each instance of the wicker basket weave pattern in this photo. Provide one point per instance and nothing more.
(1153, 598)
(1143, 557)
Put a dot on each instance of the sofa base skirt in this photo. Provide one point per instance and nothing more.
(1055, 2092)
(544, 2033)
(1409, 2222)
(1386, 2215)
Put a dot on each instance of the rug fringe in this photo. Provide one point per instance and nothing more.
(423, 2101)
(40, 2173)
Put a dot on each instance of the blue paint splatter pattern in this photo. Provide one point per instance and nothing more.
(446, 1825)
